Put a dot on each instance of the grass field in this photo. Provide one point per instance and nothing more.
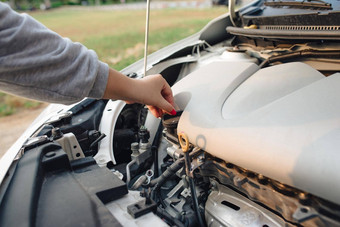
(117, 36)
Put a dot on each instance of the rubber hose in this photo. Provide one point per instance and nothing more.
(170, 171)
(154, 149)
(195, 202)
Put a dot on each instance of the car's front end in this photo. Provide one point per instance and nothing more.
(255, 142)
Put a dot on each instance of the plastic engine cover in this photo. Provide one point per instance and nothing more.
(282, 122)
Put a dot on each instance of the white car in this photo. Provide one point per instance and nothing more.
(256, 141)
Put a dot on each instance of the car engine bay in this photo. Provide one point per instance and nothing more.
(254, 143)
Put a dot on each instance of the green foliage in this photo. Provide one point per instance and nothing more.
(55, 4)
(29, 104)
(10, 104)
(6, 110)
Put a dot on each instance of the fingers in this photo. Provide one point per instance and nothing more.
(166, 106)
(167, 101)
(167, 94)
(154, 92)
(155, 111)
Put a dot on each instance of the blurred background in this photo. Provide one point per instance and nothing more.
(49, 4)
(114, 29)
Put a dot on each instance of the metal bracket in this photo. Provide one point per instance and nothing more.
(70, 145)
(304, 213)
(142, 207)
(196, 162)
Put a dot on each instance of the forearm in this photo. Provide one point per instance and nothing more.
(39, 64)
(122, 87)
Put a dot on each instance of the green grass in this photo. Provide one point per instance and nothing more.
(118, 36)
(10, 104)
(6, 110)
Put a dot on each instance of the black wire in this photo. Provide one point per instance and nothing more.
(193, 191)
(154, 149)
(170, 171)
(195, 202)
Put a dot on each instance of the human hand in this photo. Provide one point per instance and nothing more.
(152, 91)
(158, 95)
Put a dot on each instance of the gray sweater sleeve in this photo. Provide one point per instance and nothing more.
(37, 63)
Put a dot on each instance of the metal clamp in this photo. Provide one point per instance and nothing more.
(149, 175)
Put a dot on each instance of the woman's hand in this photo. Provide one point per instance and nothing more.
(152, 91)
(158, 96)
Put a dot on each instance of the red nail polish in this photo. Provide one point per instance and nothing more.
(173, 112)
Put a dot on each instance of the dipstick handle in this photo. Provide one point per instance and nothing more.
(183, 141)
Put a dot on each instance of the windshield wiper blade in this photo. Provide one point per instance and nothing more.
(303, 4)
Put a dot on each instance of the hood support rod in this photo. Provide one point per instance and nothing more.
(146, 36)
(232, 14)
